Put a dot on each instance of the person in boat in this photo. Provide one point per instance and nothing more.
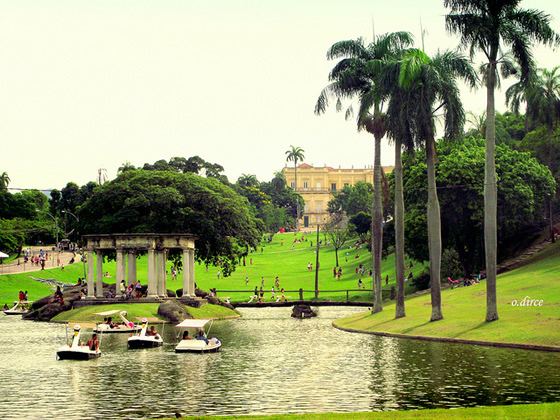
(152, 332)
(186, 335)
(93, 343)
(6, 307)
(201, 336)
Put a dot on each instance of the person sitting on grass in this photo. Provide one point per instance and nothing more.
(58, 297)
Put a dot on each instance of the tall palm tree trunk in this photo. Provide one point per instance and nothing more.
(490, 199)
(434, 231)
(377, 230)
(399, 230)
(297, 201)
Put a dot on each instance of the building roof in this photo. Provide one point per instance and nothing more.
(304, 165)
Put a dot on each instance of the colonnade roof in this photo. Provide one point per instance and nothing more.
(139, 241)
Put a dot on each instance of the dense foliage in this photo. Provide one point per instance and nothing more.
(523, 187)
(165, 202)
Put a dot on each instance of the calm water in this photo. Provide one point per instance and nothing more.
(269, 363)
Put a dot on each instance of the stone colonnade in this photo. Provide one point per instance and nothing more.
(127, 247)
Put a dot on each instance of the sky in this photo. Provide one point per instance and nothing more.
(90, 84)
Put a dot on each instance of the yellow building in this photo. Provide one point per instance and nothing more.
(317, 184)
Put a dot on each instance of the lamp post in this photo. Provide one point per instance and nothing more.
(55, 226)
(74, 216)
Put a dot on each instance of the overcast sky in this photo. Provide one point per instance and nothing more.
(88, 84)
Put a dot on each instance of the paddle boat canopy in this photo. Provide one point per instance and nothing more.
(199, 343)
(19, 308)
(144, 339)
(75, 351)
(108, 327)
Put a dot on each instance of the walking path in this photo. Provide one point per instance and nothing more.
(56, 259)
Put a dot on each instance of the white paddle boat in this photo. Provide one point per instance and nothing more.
(144, 339)
(108, 327)
(199, 343)
(76, 351)
(19, 308)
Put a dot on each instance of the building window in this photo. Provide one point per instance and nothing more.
(318, 185)
(305, 185)
(293, 185)
(318, 206)
(333, 187)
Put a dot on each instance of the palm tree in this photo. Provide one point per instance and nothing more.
(357, 75)
(431, 85)
(478, 122)
(247, 180)
(295, 154)
(488, 26)
(541, 94)
(4, 181)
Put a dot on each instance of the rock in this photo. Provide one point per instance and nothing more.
(171, 293)
(303, 311)
(215, 301)
(179, 292)
(173, 311)
(200, 293)
(48, 311)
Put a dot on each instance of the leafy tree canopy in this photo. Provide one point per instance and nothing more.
(166, 201)
(523, 185)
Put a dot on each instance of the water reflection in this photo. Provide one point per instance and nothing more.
(269, 363)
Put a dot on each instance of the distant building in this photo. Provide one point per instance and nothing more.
(317, 184)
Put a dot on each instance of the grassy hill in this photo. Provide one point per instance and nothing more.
(464, 309)
(281, 258)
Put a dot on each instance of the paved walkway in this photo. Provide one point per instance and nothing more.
(55, 259)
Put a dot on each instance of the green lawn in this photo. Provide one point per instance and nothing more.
(137, 311)
(501, 412)
(11, 284)
(278, 259)
(464, 309)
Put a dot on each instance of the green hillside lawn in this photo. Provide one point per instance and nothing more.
(11, 284)
(464, 309)
(278, 259)
(501, 412)
(137, 311)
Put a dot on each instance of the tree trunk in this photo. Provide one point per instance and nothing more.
(434, 232)
(377, 228)
(336, 255)
(399, 231)
(297, 201)
(490, 199)
(317, 265)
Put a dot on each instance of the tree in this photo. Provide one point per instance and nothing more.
(357, 75)
(351, 200)
(293, 154)
(4, 181)
(524, 187)
(431, 85)
(165, 201)
(541, 94)
(338, 235)
(489, 26)
(246, 180)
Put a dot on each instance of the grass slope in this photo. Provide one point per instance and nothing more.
(11, 284)
(137, 311)
(464, 309)
(501, 412)
(277, 259)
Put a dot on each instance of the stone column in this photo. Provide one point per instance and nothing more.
(163, 277)
(131, 267)
(159, 258)
(121, 267)
(186, 273)
(152, 273)
(90, 274)
(99, 277)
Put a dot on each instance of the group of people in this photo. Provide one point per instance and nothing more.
(133, 290)
(200, 335)
(258, 295)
